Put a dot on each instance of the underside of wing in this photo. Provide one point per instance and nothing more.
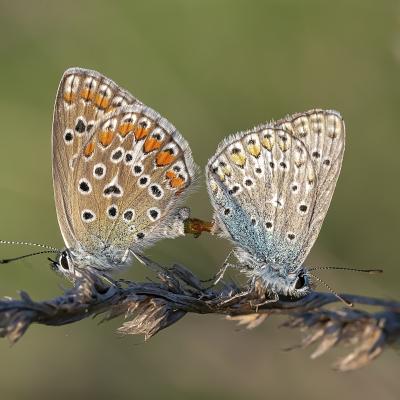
(323, 134)
(129, 180)
(84, 97)
(262, 185)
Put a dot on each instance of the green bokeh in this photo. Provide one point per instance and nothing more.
(212, 68)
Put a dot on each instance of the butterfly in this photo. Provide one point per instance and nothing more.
(270, 188)
(120, 173)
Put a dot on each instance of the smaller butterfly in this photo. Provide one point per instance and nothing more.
(271, 188)
(120, 173)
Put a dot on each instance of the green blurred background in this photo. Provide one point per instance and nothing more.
(212, 68)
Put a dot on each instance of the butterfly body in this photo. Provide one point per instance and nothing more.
(120, 172)
(106, 259)
(271, 188)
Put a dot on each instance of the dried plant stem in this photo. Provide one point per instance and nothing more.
(149, 307)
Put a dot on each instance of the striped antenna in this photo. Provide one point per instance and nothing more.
(337, 295)
(8, 260)
(43, 246)
(368, 271)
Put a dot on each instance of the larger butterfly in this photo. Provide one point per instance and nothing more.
(271, 188)
(120, 173)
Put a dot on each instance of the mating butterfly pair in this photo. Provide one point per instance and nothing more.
(121, 172)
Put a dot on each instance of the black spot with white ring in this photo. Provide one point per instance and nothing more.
(128, 158)
(84, 186)
(68, 136)
(153, 214)
(234, 190)
(88, 216)
(128, 215)
(137, 169)
(80, 126)
(316, 154)
(113, 190)
(99, 171)
(156, 191)
(112, 211)
(303, 208)
(117, 154)
(143, 181)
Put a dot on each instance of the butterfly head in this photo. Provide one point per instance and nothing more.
(64, 261)
(278, 280)
(301, 284)
(70, 261)
(275, 276)
(65, 265)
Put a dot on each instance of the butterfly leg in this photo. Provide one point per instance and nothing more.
(108, 280)
(236, 296)
(266, 301)
(220, 274)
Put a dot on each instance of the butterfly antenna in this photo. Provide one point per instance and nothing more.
(348, 303)
(368, 271)
(43, 246)
(8, 260)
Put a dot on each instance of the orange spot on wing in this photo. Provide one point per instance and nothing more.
(87, 94)
(151, 144)
(174, 180)
(141, 132)
(177, 182)
(69, 97)
(106, 137)
(101, 101)
(170, 174)
(89, 149)
(125, 128)
(164, 158)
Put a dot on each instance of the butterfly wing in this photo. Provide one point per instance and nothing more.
(129, 181)
(323, 134)
(262, 185)
(120, 170)
(84, 97)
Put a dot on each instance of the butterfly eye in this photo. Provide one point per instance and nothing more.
(64, 261)
(300, 282)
